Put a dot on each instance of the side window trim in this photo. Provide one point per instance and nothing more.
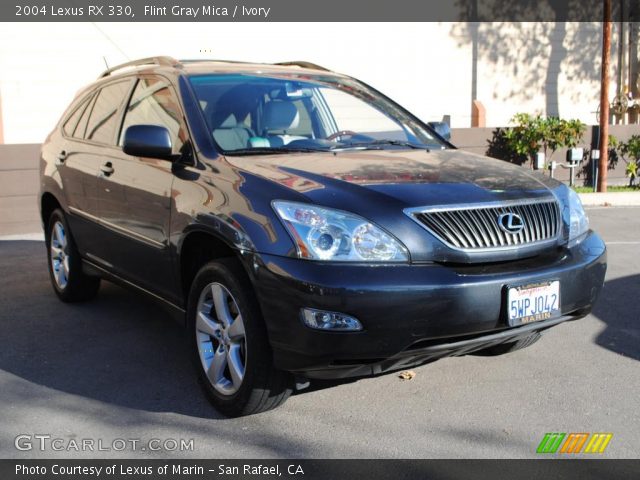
(123, 110)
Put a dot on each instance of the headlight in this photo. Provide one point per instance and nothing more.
(326, 234)
(578, 220)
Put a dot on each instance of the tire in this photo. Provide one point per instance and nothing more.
(510, 346)
(228, 338)
(69, 282)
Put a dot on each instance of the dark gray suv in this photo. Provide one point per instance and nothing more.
(304, 226)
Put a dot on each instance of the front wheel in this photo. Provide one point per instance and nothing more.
(230, 345)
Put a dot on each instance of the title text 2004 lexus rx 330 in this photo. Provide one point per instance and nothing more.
(304, 226)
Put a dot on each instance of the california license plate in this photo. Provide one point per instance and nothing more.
(533, 303)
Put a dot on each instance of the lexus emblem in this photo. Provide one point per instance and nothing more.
(510, 223)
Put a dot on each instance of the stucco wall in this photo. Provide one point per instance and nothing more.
(433, 69)
(18, 189)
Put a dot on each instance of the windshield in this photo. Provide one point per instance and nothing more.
(251, 114)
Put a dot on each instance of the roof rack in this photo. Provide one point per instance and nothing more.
(214, 60)
(160, 60)
(172, 62)
(302, 64)
(296, 63)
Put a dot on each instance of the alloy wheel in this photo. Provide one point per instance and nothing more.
(59, 249)
(221, 338)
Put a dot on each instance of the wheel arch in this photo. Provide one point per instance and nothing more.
(199, 246)
(48, 203)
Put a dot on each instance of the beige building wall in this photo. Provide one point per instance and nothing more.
(546, 68)
(433, 69)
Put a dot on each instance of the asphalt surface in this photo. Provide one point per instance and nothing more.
(118, 368)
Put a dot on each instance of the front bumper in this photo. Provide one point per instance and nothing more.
(411, 313)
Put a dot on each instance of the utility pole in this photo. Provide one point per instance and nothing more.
(634, 52)
(604, 97)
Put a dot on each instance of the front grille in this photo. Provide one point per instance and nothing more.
(477, 227)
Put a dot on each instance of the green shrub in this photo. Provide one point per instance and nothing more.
(532, 134)
(629, 151)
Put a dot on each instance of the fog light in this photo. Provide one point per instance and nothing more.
(321, 320)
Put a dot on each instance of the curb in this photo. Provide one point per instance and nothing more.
(614, 199)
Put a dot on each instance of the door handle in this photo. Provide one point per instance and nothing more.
(107, 169)
(61, 157)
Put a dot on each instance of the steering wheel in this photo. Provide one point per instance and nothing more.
(341, 133)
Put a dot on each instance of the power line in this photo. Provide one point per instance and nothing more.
(110, 40)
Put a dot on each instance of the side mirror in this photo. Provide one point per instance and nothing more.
(151, 141)
(441, 129)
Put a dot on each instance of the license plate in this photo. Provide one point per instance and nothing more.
(533, 303)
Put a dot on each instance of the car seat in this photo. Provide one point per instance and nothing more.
(228, 133)
(278, 117)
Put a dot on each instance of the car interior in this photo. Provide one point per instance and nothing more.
(266, 113)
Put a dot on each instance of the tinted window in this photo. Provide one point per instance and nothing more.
(70, 125)
(104, 115)
(81, 127)
(320, 112)
(155, 103)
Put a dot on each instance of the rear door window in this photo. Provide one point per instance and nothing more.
(104, 114)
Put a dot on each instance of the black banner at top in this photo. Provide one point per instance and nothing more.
(313, 10)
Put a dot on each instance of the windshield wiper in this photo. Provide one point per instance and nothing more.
(267, 150)
(378, 144)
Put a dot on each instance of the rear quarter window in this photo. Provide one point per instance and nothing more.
(81, 127)
(71, 122)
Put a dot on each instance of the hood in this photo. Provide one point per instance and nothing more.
(411, 178)
(379, 184)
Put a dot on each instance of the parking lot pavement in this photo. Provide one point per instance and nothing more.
(118, 368)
